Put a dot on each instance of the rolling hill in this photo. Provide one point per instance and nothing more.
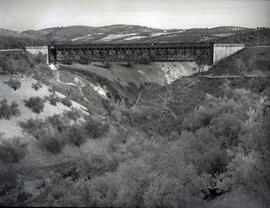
(131, 34)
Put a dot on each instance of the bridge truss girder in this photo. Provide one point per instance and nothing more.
(161, 52)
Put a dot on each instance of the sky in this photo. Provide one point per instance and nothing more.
(165, 14)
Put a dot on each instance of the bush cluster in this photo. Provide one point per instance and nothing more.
(36, 104)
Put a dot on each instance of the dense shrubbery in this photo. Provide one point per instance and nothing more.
(222, 145)
(56, 131)
(14, 83)
(36, 104)
(17, 62)
(7, 111)
(12, 191)
(214, 145)
(205, 160)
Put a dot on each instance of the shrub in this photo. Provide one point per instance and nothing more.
(73, 114)
(95, 129)
(53, 99)
(12, 151)
(66, 101)
(52, 143)
(36, 86)
(41, 58)
(57, 122)
(36, 104)
(6, 110)
(34, 127)
(14, 84)
(76, 135)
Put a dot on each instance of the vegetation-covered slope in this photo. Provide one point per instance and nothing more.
(197, 142)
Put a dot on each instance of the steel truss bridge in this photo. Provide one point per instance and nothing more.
(137, 52)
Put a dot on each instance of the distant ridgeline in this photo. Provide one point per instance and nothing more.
(67, 35)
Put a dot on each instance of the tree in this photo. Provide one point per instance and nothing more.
(7, 111)
(14, 84)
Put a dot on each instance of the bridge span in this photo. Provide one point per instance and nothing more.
(205, 53)
(141, 52)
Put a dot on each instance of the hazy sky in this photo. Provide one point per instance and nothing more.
(36, 14)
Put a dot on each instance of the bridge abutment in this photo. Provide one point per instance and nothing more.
(221, 51)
